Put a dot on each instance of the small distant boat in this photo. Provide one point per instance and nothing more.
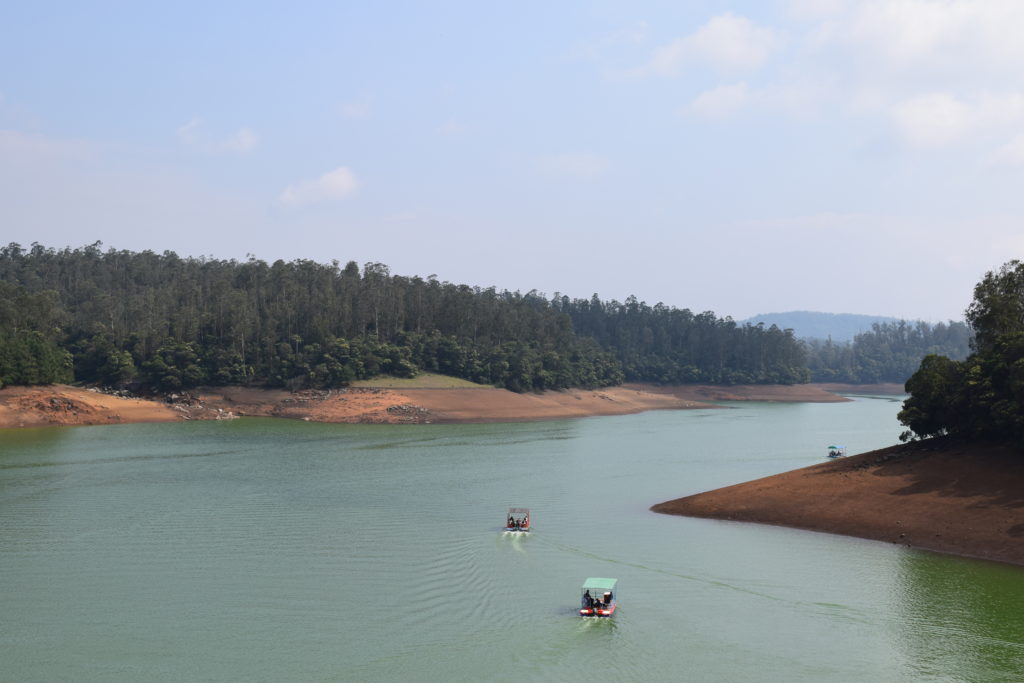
(836, 451)
(599, 597)
(518, 519)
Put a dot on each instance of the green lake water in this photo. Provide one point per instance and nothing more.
(270, 550)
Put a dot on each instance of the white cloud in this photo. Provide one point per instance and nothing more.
(728, 42)
(815, 9)
(938, 72)
(1012, 154)
(720, 102)
(801, 99)
(936, 119)
(576, 165)
(944, 38)
(336, 184)
(188, 133)
(242, 141)
(193, 133)
(932, 120)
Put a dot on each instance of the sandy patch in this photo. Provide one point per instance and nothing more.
(62, 405)
(499, 405)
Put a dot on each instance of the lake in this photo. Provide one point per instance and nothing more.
(271, 550)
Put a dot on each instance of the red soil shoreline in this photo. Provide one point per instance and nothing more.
(66, 405)
(937, 495)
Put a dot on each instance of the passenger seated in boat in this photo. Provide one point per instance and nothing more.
(587, 600)
(526, 522)
(511, 522)
(607, 599)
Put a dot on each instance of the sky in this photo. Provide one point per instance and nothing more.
(740, 157)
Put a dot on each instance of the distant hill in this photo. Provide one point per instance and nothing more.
(838, 326)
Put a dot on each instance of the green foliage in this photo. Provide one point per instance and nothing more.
(172, 323)
(667, 345)
(175, 365)
(998, 305)
(29, 329)
(890, 352)
(935, 396)
(982, 396)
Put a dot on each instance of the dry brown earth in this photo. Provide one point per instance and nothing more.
(935, 495)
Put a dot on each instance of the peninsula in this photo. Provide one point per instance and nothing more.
(943, 495)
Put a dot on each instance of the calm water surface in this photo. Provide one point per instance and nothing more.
(268, 550)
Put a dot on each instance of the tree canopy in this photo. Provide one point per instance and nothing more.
(167, 322)
(983, 395)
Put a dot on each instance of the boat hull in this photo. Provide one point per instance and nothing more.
(597, 612)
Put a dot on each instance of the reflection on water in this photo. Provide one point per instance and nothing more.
(275, 550)
(960, 619)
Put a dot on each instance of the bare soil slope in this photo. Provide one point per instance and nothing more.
(962, 499)
(63, 405)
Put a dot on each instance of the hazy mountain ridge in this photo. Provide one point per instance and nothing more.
(812, 324)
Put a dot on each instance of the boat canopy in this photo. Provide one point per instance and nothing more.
(518, 511)
(599, 585)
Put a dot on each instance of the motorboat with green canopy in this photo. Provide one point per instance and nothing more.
(599, 597)
(836, 451)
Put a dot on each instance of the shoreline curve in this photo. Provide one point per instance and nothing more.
(64, 405)
(939, 495)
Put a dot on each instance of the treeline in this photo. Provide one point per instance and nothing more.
(982, 396)
(667, 345)
(889, 352)
(159, 320)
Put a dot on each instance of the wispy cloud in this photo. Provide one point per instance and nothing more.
(242, 141)
(720, 102)
(333, 185)
(188, 132)
(728, 42)
(360, 108)
(937, 73)
(921, 35)
(1012, 153)
(577, 165)
(193, 133)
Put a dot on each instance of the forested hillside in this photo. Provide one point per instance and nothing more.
(889, 352)
(167, 322)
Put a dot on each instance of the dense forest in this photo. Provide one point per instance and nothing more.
(165, 322)
(118, 318)
(982, 396)
(889, 352)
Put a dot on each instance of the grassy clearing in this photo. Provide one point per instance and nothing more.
(426, 380)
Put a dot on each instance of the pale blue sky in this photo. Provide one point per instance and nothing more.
(742, 157)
